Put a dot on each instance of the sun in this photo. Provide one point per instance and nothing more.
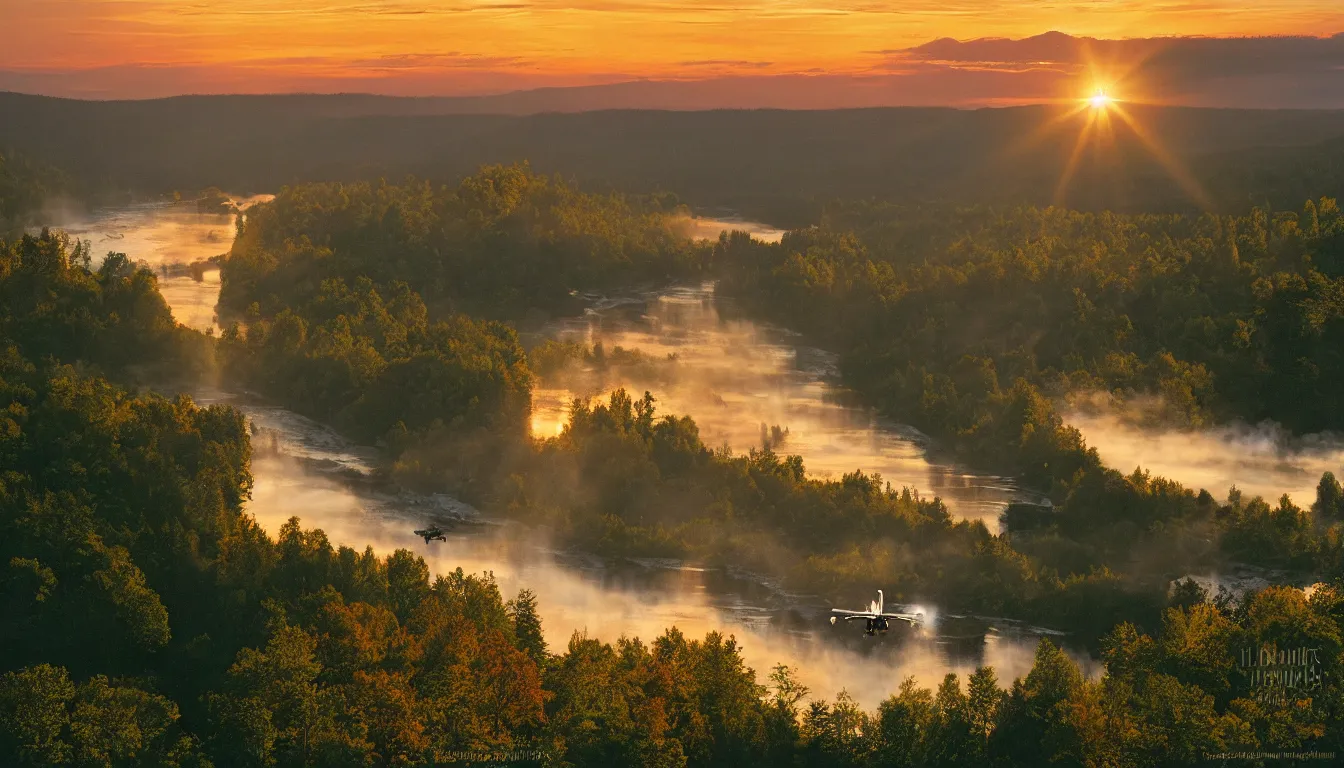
(1100, 100)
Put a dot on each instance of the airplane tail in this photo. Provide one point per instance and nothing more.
(879, 602)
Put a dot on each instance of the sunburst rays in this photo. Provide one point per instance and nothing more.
(1178, 172)
(1096, 118)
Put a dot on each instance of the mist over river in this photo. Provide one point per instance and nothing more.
(704, 228)
(169, 238)
(738, 379)
(1261, 461)
(304, 469)
(301, 468)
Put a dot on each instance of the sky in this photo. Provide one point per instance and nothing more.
(150, 48)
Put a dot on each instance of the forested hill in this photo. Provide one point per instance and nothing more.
(769, 163)
(24, 187)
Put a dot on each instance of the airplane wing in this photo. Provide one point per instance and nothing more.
(855, 614)
(912, 618)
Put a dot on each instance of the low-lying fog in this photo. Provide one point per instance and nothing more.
(701, 228)
(170, 238)
(757, 375)
(1259, 461)
(738, 379)
(303, 469)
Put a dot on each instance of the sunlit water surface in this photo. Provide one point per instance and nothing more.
(738, 379)
(702, 228)
(1259, 461)
(303, 469)
(169, 238)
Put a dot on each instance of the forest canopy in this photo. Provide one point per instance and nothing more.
(152, 621)
(624, 480)
(501, 242)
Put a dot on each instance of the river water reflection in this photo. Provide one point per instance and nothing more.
(169, 238)
(302, 469)
(738, 379)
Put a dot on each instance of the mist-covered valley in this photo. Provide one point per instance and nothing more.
(748, 386)
(1261, 460)
(302, 469)
(678, 385)
(732, 376)
(379, 386)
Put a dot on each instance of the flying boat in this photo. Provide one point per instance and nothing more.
(874, 619)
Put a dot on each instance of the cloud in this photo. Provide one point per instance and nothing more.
(1270, 72)
(1283, 71)
(728, 64)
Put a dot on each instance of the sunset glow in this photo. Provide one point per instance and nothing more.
(486, 46)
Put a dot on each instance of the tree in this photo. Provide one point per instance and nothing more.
(781, 716)
(1198, 647)
(835, 734)
(272, 703)
(1329, 498)
(1030, 724)
(527, 626)
(905, 721)
(407, 582)
(952, 739)
(34, 707)
(984, 699)
(116, 724)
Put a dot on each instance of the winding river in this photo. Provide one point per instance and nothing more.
(739, 380)
(732, 376)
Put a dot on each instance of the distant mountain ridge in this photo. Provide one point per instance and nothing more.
(775, 165)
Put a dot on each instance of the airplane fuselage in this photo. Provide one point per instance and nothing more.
(875, 620)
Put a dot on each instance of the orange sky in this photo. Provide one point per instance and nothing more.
(464, 46)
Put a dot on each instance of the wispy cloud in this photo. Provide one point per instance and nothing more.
(458, 46)
(727, 64)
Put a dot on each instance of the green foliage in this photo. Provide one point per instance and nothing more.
(135, 585)
(527, 625)
(504, 241)
(52, 304)
(34, 704)
(46, 720)
(25, 186)
(1219, 316)
(971, 323)
(106, 496)
(378, 368)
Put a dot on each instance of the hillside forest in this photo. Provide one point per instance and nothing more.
(152, 621)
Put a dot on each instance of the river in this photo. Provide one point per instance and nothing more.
(708, 228)
(738, 379)
(1261, 460)
(758, 375)
(169, 238)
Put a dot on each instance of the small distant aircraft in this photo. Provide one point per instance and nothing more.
(876, 620)
(432, 533)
